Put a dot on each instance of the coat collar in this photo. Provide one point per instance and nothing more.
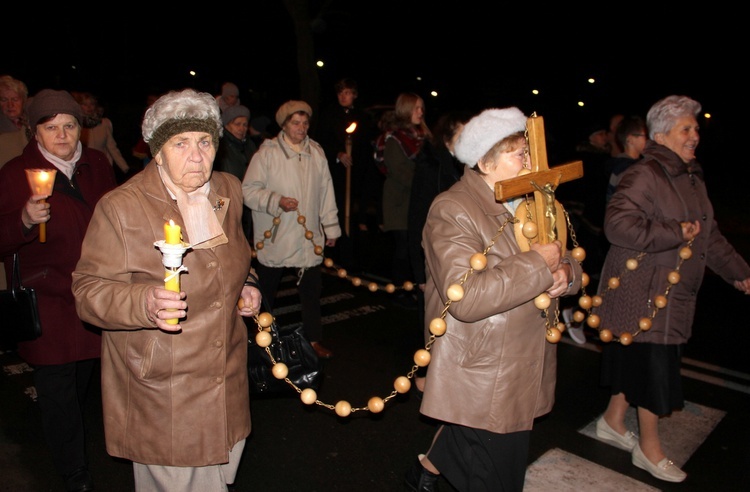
(670, 161)
(154, 188)
(290, 152)
(482, 194)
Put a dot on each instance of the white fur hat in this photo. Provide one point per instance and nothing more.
(485, 130)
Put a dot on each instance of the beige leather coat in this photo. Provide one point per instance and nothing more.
(178, 399)
(493, 368)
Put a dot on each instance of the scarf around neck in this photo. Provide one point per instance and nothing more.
(198, 215)
(66, 167)
(410, 140)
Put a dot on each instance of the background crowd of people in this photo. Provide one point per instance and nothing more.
(298, 188)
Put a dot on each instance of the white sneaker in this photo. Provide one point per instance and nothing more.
(575, 330)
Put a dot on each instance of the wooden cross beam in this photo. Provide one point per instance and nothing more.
(542, 181)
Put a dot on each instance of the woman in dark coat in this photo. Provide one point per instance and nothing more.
(660, 205)
(65, 355)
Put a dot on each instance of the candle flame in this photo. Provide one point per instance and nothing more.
(41, 180)
(351, 128)
(171, 223)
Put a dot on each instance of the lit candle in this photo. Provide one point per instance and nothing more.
(172, 233)
(172, 282)
(41, 182)
(172, 275)
(349, 130)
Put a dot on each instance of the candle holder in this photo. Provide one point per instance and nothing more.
(41, 181)
(171, 258)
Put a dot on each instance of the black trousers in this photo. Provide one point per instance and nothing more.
(61, 393)
(309, 289)
(476, 460)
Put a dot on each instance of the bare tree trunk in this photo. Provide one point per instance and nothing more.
(308, 74)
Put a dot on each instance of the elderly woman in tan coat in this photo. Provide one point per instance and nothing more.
(493, 371)
(175, 396)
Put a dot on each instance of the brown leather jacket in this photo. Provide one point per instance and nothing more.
(178, 399)
(493, 369)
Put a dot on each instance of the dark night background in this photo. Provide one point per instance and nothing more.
(476, 56)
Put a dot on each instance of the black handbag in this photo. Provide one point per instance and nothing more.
(290, 346)
(19, 313)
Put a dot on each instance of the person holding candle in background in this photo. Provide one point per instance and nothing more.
(350, 154)
(175, 396)
(66, 354)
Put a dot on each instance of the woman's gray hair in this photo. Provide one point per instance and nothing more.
(9, 83)
(178, 112)
(664, 113)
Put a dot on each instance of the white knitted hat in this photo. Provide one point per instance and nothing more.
(485, 130)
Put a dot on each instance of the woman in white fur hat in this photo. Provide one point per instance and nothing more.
(493, 371)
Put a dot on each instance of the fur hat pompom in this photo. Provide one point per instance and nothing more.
(485, 130)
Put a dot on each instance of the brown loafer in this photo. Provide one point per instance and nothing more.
(322, 352)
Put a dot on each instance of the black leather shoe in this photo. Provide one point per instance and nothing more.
(79, 481)
(419, 479)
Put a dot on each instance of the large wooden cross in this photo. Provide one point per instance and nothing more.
(542, 181)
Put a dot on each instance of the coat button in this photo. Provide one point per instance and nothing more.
(218, 343)
(219, 380)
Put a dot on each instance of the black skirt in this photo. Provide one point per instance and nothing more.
(647, 373)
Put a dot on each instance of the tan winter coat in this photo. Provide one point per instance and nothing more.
(178, 399)
(493, 368)
(276, 170)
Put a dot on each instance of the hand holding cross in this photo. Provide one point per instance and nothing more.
(543, 181)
